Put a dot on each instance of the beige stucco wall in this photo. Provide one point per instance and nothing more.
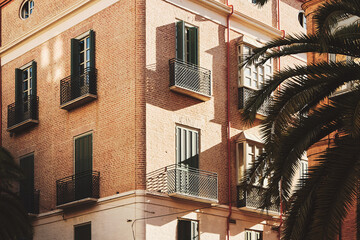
(111, 218)
(163, 214)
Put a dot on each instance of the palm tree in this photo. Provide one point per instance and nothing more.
(302, 112)
(14, 220)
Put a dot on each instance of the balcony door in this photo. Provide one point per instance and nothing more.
(25, 90)
(187, 161)
(27, 184)
(83, 167)
(82, 63)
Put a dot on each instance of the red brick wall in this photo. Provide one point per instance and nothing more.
(112, 117)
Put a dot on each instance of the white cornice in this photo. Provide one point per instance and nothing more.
(52, 27)
(43, 25)
(223, 10)
(257, 24)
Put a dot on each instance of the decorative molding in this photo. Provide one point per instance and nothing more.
(221, 11)
(43, 25)
(44, 31)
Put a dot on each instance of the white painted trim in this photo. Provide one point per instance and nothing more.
(256, 24)
(219, 13)
(81, 36)
(46, 31)
(26, 65)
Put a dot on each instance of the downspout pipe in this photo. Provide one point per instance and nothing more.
(228, 119)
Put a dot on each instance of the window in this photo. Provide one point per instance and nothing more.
(253, 235)
(302, 19)
(248, 152)
(187, 147)
(82, 232)
(252, 76)
(83, 166)
(27, 9)
(303, 170)
(186, 43)
(188, 229)
(27, 184)
(82, 62)
(332, 58)
(25, 86)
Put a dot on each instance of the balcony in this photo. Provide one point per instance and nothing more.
(23, 114)
(181, 182)
(244, 94)
(31, 202)
(76, 91)
(78, 189)
(252, 199)
(190, 79)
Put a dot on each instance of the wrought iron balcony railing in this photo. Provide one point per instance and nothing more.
(78, 90)
(31, 202)
(252, 199)
(184, 182)
(82, 186)
(190, 79)
(244, 94)
(23, 114)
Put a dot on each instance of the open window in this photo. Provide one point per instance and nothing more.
(188, 229)
(251, 77)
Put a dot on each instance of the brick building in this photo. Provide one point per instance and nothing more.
(349, 229)
(119, 113)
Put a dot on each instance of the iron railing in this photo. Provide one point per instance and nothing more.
(244, 94)
(186, 181)
(20, 111)
(75, 86)
(31, 202)
(77, 187)
(190, 76)
(253, 199)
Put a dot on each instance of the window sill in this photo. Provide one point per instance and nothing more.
(22, 125)
(190, 93)
(77, 203)
(77, 102)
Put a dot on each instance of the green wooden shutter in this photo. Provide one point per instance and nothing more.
(27, 184)
(180, 41)
(82, 232)
(34, 78)
(18, 85)
(74, 57)
(184, 230)
(83, 154)
(193, 45)
(92, 49)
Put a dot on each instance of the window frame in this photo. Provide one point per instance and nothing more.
(92, 148)
(82, 225)
(333, 58)
(191, 227)
(242, 78)
(253, 232)
(184, 34)
(30, 8)
(75, 64)
(243, 161)
(31, 81)
(304, 166)
(180, 152)
(22, 185)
